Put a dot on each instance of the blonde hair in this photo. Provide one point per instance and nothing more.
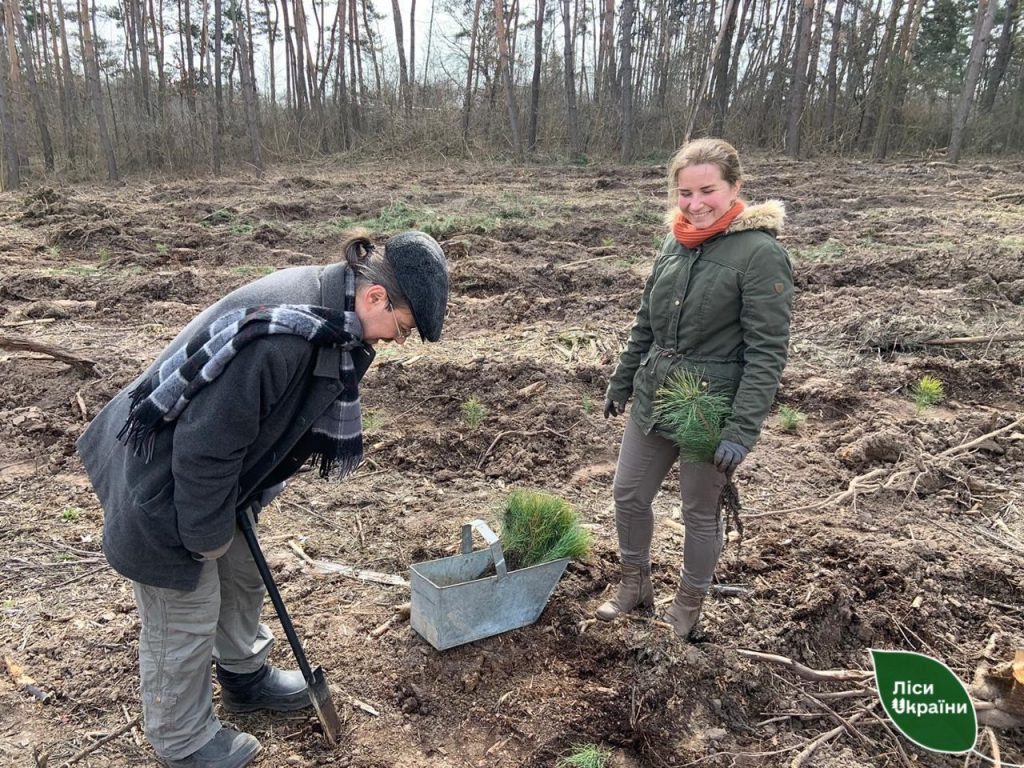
(709, 151)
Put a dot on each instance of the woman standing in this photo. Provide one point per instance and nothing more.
(262, 381)
(717, 304)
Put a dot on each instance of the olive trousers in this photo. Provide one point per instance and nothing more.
(644, 462)
(182, 632)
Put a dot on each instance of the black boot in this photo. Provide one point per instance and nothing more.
(267, 688)
(227, 749)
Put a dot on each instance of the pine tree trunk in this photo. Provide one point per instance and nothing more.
(245, 74)
(572, 115)
(92, 73)
(467, 100)
(42, 123)
(504, 65)
(722, 55)
(799, 89)
(538, 63)
(218, 91)
(1003, 51)
(986, 15)
(403, 70)
(626, 73)
(11, 163)
(831, 83)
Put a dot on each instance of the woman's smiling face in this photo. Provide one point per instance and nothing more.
(704, 196)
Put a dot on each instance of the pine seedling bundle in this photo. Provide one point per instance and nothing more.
(692, 415)
(537, 528)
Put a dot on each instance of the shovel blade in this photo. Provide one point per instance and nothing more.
(320, 696)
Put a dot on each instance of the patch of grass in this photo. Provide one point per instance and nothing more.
(588, 404)
(70, 514)
(241, 229)
(219, 216)
(830, 250)
(104, 255)
(692, 415)
(162, 249)
(538, 528)
(473, 413)
(585, 756)
(371, 421)
(791, 419)
(253, 270)
(926, 392)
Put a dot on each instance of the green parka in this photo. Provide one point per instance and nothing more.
(720, 310)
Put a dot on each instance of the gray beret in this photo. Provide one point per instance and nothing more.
(422, 273)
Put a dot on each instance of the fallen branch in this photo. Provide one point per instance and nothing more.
(18, 343)
(109, 737)
(811, 748)
(862, 483)
(806, 672)
(325, 566)
(956, 340)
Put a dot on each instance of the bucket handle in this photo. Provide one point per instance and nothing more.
(492, 541)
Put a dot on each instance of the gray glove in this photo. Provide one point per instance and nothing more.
(611, 408)
(729, 455)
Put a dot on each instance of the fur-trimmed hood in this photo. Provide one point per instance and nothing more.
(769, 215)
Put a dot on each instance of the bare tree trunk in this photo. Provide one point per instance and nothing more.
(505, 65)
(373, 51)
(42, 123)
(572, 115)
(894, 84)
(157, 23)
(218, 92)
(538, 62)
(69, 110)
(430, 41)
(875, 86)
(626, 73)
(412, 53)
(10, 160)
(986, 17)
(799, 91)
(831, 85)
(467, 102)
(403, 70)
(92, 73)
(716, 56)
(271, 41)
(246, 76)
(1003, 51)
(721, 57)
(607, 78)
(291, 97)
(190, 70)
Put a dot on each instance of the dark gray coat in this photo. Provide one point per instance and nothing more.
(241, 433)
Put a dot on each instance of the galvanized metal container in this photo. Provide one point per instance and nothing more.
(453, 603)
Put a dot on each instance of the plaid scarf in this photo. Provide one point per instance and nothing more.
(337, 433)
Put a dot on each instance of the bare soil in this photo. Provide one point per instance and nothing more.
(548, 264)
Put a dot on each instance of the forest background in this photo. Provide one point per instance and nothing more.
(109, 87)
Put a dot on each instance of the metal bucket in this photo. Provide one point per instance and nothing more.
(452, 604)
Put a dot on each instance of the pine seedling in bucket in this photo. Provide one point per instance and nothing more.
(538, 528)
(691, 415)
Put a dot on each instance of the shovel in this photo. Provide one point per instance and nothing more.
(316, 683)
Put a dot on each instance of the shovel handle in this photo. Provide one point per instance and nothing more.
(245, 523)
(492, 541)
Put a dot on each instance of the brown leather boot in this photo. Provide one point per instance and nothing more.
(685, 610)
(635, 589)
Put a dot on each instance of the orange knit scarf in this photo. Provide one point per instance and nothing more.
(691, 237)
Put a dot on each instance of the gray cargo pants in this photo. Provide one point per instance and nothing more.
(182, 632)
(644, 461)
